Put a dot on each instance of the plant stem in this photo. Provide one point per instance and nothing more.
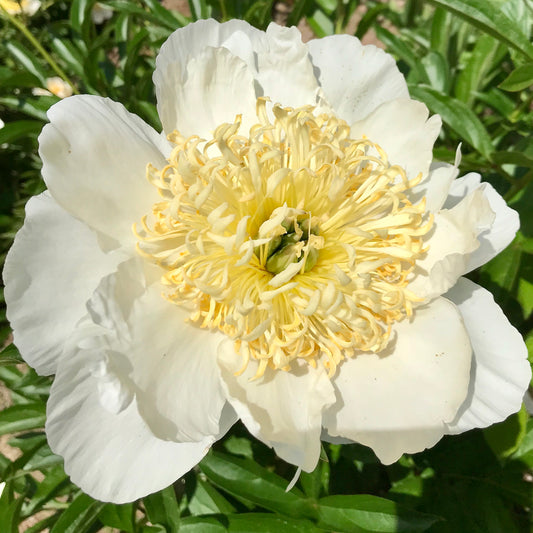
(47, 57)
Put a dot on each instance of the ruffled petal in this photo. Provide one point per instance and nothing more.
(285, 71)
(169, 364)
(217, 87)
(504, 227)
(94, 157)
(500, 371)
(356, 79)
(51, 271)
(282, 409)
(398, 401)
(402, 128)
(112, 457)
(453, 238)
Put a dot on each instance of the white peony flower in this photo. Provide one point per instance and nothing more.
(16, 7)
(296, 261)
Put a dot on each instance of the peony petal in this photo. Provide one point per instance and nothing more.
(282, 409)
(218, 86)
(356, 79)
(170, 364)
(94, 156)
(285, 72)
(112, 457)
(500, 369)
(504, 227)
(453, 238)
(51, 271)
(402, 128)
(436, 187)
(398, 401)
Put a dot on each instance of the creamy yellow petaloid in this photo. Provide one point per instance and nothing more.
(294, 240)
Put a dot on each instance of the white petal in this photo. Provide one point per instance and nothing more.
(402, 128)
(453, 238)
(51, 271)
(436, 187)
(112, 457)
(504, 227)
(500, 369)
(169, 363)
(94, 156)
(217, 87)
(356, 79)
(282, 409)
(285, 71)
(398, 401)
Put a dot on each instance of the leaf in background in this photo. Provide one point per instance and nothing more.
(520, 79)
(437, 71)
(486, 54)
(207, 500)
(27, 60)
(162, 508)
(440, 32)
(10, 355)
(490, 19)
(22, 417)
(13, 131)
(246, 523)
(458, 117)
(505, 438)
(79, 516)
(245, 478)
(34, 107)
(120, 517)
(9, 510)
(365, 513)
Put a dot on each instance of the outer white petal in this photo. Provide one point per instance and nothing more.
(436, 187)
(500, 370)
(112, 457)
(282, 409)
(402, 128)
(217, 87)
(51, 271)
(503, 229)
(94, 156)
(399, 401)
(285, 71)
(237, 36)
(169, 364)
(453, 238)
(356, 79)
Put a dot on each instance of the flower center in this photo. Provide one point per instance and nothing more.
(296, 241)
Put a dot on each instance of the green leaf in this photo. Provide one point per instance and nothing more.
(9, 510)
(245, 478)
(120, 517)
(70, 54)
(365, 513)
(27, 60)
(437, 71)
(246, 523)
(474, 77)
(53, 482)
(487, 17)
(519, 159)
(33, 107)
(505, 438)
(207, 500)
(458, 117)
(162, 508)
(10, 355)
(521, 78)
(13, 131)
(79, 516)
(22, 417)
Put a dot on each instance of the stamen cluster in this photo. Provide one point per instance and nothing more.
(295, 240)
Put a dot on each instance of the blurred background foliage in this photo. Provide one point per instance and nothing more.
(471, 61)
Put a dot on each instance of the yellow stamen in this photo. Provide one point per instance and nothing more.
(296, 241)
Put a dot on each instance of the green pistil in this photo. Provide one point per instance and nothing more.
(290, 247)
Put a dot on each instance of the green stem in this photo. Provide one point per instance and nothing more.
(341, 13)
(223, 10)
(47, 57)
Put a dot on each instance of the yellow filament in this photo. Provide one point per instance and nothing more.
(225, 201)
